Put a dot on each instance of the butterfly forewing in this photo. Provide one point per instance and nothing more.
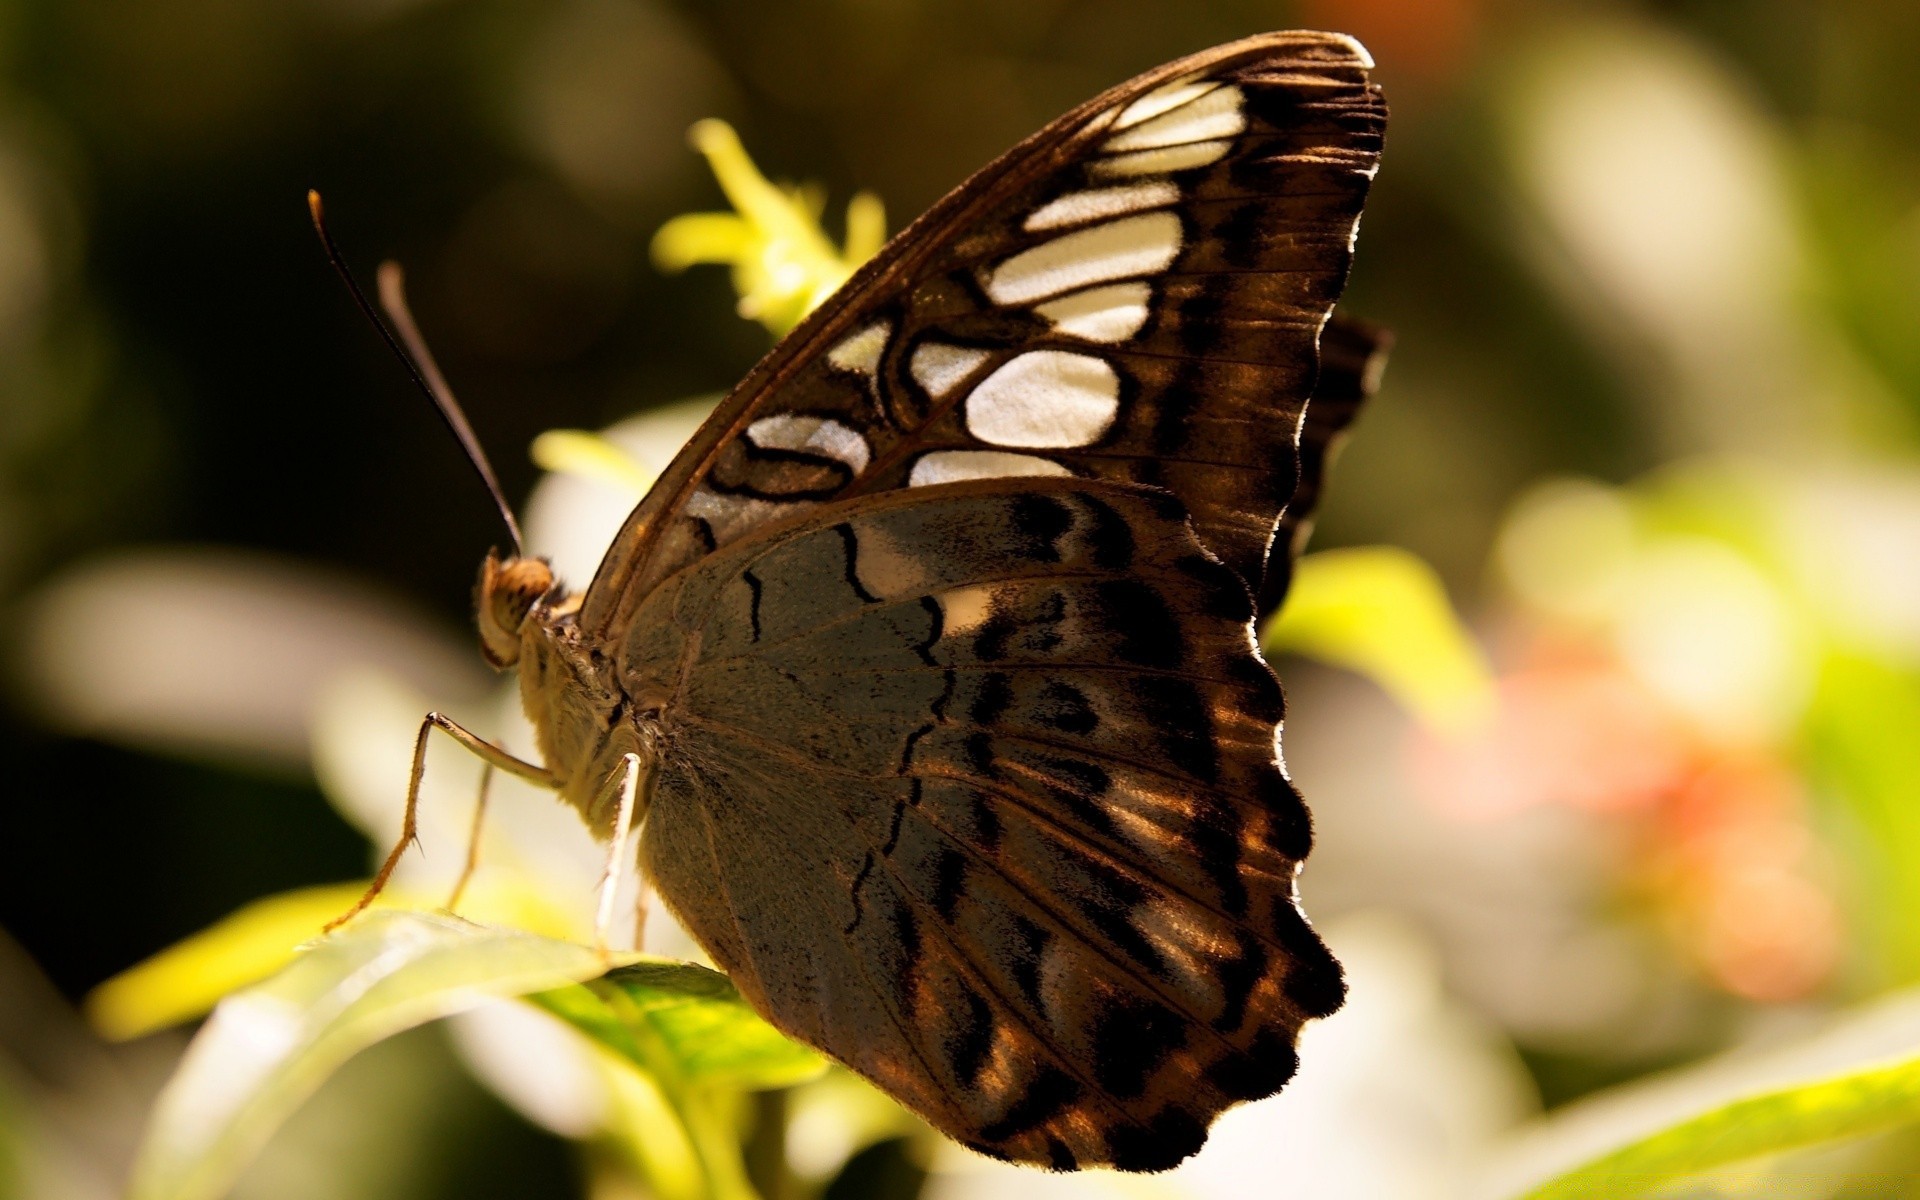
(1133, 294)
(975, 788)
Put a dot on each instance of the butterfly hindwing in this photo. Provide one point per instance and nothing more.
(1135, 294)
(1353, 353)
(975, 788)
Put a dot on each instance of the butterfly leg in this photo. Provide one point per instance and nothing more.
(640, 907)
(489, 753)
(473, 838)
(629, 784)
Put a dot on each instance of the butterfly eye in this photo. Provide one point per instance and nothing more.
(508, 592)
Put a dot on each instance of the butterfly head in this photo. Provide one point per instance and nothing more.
(511, 592)
(526, 621)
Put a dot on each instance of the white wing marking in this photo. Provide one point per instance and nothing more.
(965, 609)
(1045, 399)
(1163, 160)
(951, 466)
(1164, 98)
(1116, 250)
(729, 516)
(861, 350)
(1077, 208)
(938, 366)
(819, 435)
(1218, 114)
(1104, 314)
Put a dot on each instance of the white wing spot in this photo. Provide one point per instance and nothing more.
(1077, 208)
(1162, 161)
(885, 567)
(1045, 398)
(952, 466)
(817, 435)
(1116, 250)
(1166, 97)
(937, 366)
(727, 517)
(965, 609)
(861, 350)
(1218, 114)
(1104, 314)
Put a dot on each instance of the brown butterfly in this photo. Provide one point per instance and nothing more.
(927, 671)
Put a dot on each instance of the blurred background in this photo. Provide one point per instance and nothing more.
(1655, 274)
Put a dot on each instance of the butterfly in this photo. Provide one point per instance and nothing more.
(927, 670)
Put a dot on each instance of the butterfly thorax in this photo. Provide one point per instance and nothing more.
(581, 717)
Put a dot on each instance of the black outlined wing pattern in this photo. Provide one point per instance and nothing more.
(975, 788)
(1135, 293)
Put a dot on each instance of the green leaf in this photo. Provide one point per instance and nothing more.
(1864, 751)
(188, 978)
(1860, 1076)
(683, 1022)
(692, 1037)
(266, 1049)
(1383, 613)
(13, 1137)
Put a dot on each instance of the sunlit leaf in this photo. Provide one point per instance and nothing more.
(591, 456)
(1863, 734)
(1858, 1077)
(265, 1049)
(651, 1132)
(13, 1145)
(1382, 612)
(685, 1020)
(694, 1042)
(839, 1114)
(187, 979)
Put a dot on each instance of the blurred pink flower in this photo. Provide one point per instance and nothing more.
(1578, 732)
(1719, 844)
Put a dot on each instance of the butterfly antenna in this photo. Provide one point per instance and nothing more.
(411, 349)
